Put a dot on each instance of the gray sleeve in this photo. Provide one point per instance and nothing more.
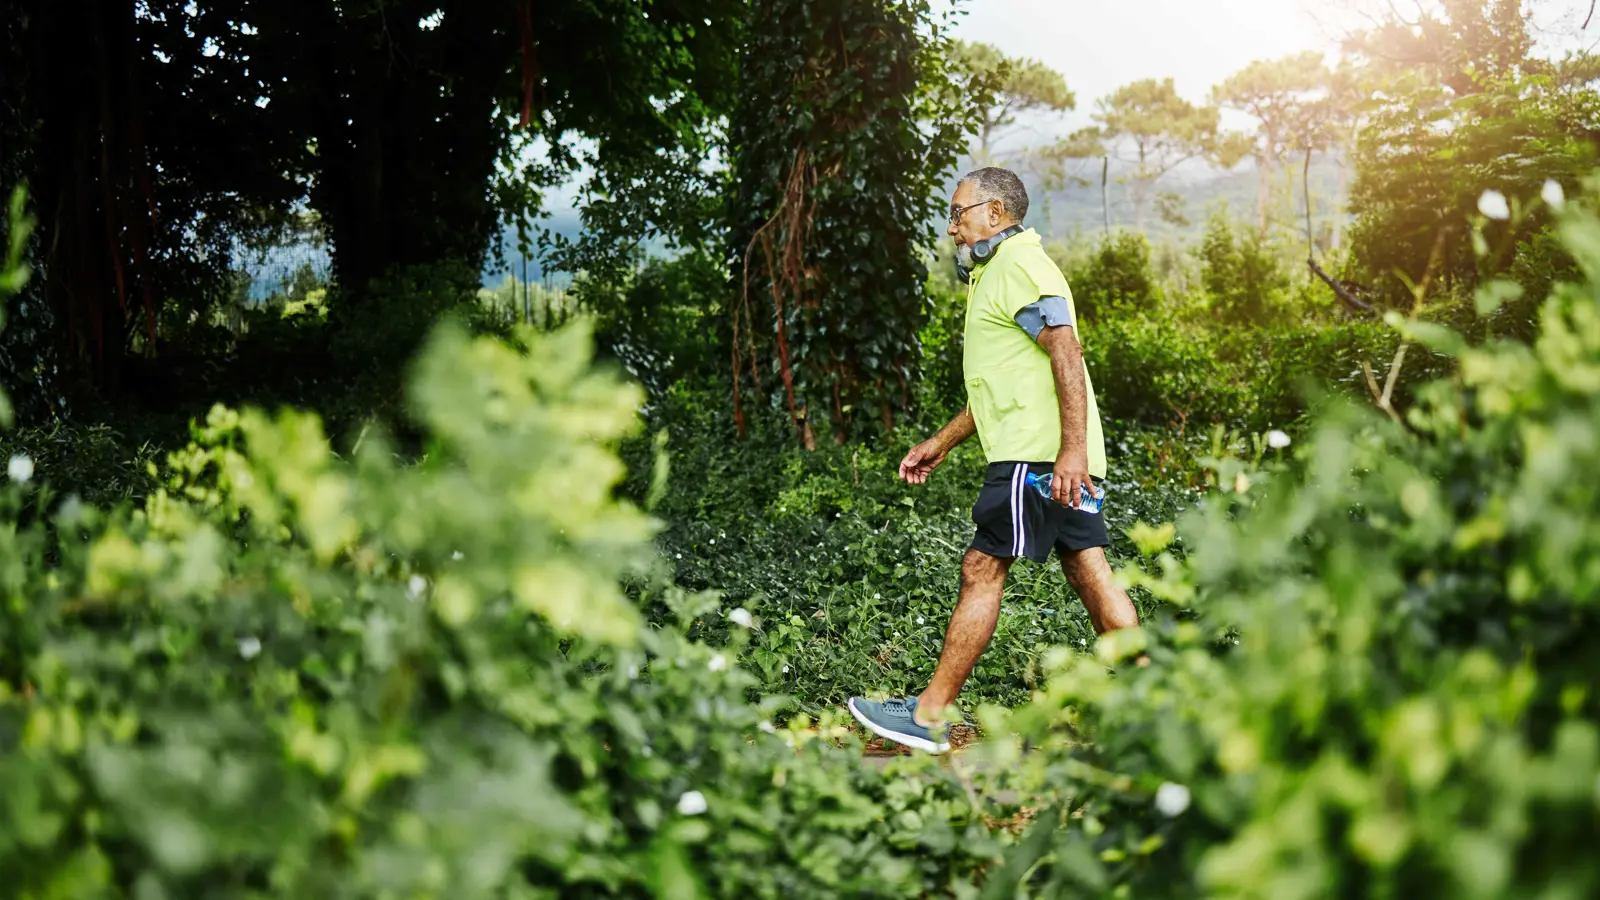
(1044, 311)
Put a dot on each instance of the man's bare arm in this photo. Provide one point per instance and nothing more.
(926, 456)
(1072, 392)
(957, 430)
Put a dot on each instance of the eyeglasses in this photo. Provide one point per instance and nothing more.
(957, 213)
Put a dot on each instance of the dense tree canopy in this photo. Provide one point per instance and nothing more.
(403, 124)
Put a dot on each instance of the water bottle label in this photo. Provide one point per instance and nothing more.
(1087, 502)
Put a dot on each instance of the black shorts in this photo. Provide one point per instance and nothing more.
(1014, 520)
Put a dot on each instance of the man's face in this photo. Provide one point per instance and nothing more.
(975, 224)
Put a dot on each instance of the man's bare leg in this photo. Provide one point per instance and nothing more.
(983, 580)
(1108, 604)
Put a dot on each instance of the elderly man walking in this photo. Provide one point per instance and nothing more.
(1032, 406)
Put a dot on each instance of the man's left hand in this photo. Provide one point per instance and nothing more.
(1072, 470)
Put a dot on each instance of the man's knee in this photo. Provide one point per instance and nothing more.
(978, 567)
(1085, 567)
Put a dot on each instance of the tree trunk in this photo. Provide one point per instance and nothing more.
(402, 157)
(1264, 186)
(81, 181)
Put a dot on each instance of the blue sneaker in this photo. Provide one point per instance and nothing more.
(896, 720)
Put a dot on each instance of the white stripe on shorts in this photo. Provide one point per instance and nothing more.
(1019, 483)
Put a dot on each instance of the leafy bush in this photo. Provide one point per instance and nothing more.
(94, 462)
(666, 323)
(1241, 275)
(1113, 279)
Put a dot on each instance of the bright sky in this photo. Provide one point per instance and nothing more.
(1100, 45)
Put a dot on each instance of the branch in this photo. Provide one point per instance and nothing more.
(1401, 19)
(1590, 17)
(1339, 290)
(1305, 183)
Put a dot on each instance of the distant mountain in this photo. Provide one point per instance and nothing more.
(1078, 210)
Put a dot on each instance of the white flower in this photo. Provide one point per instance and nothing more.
(1172, 799)
(416, 586)
(1277, 440)
(456, 555)
(680, 556)
(1493, 204)
(785, 668)
(249, 646)
(1552, 194)
(692, 803)
(767, 727)
(877, 596)
(718, 663)
(20, 469)
(741, 617)
(919, 620)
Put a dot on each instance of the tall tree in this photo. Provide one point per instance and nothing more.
(1459, 106)
(836, 201)
(1026, 85)
(1161, 129)
(1285, 97)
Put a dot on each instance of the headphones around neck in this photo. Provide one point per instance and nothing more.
(984, 250)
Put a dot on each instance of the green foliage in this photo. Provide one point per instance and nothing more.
(661, 323)
(292, 674)
(1471, 113)
(408, 129)
(1240, 273)
(1113, 279)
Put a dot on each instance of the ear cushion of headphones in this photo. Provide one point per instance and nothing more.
(981, 251)
(984, 250)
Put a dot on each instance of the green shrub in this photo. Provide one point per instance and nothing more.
(1241, 275)
(93, 462)
(1113, 279)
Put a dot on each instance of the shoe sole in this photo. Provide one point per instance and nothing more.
(906, 739)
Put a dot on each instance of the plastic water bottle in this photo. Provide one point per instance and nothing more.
(1088, 502)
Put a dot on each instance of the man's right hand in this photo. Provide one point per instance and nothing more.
(923, 458)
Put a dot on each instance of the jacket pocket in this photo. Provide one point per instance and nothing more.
(990, 402)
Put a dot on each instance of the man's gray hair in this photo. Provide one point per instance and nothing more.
(993, 183)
